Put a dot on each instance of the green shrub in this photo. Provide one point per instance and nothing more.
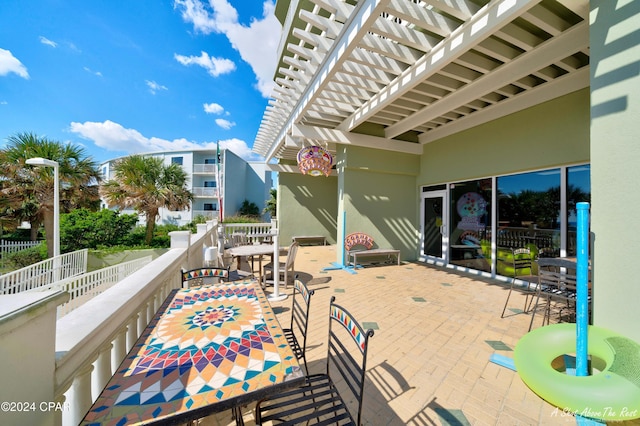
(26, 257)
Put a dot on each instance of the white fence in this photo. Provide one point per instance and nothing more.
(250, 232)
(13, 246)
(43, 273)
(85, 287)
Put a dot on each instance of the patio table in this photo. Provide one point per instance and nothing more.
(251, 250)
(208, 349)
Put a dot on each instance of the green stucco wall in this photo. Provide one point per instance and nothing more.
(615, 164)
(310, 206)
(550, 134)
(380, 197)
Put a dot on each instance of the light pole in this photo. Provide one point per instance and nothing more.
(38, 161)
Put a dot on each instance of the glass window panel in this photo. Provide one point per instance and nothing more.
(529, 212)
(578, 190)
(176, 160)
(470, 235)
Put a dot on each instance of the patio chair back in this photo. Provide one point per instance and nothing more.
(347, 353)
(521, 261)
(300, 303)
(557, 282)
(332, 397)
(204, 276)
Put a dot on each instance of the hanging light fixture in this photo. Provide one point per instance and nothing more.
(315, 161)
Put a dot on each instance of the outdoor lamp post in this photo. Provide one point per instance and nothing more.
(38, 161)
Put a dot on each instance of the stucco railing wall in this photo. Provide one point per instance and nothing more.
(92, 340)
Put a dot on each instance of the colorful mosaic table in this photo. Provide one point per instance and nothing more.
(208, 349)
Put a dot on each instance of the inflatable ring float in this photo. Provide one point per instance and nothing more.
(611, 393)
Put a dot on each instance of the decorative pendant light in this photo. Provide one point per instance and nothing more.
(315, 161)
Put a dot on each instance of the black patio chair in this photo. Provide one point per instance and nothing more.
(520, 260)
(299, 320)
(557, 285)
(204, 276)
(320, 400)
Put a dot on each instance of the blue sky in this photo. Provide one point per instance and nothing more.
(130, 76)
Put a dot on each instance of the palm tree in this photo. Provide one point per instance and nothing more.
(28, 190)
(271, 203)
(146, 184)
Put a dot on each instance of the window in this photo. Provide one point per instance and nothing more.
(176, 160)
(470, 236)
(209, 207)
(210, 184)
(529, 212)
(578, 190)
(209, 161)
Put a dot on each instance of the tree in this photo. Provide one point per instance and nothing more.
(249, 208)
(29, 190)
(271, 203)
(146, 184)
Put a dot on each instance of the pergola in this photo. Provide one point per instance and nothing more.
(397, 74)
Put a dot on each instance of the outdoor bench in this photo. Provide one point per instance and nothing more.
(360, 239)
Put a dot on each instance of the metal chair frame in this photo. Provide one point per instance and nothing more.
(520, 259)
(200, 274)
(557, 282)
(299, 320)
(283, 267)
(319, 400)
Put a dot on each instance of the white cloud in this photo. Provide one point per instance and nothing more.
(214, 66)
(90, 71)
(213, 108)
(154, 87)
(225, 124)
(48, 42)
(9, 64)
(114, 137)
(256, 43)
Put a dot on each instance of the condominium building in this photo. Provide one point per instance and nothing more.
(215, 194)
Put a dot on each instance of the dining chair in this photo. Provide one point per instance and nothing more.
(285, 268)
(520, 261)
(300, 303)
(204, 276)
(334, 396)
(557, 284)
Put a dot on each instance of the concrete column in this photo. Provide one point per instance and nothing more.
(27, 355)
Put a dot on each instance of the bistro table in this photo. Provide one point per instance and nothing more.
(259, 250)
(208, 349)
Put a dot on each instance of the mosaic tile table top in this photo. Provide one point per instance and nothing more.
(207, 349)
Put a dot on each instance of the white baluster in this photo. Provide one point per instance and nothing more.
(119, 350)
(132, 332)
(101, 372)
(79, 397)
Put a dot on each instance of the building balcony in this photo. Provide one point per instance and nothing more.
(204, 192)
(204, 169)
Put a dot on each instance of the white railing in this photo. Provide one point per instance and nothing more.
(112, 322)
(204, 168)
(202, 191)
(13, 246)
(252, 231)
(44, 273)
(87, 286)
(71, 359)
(209, 214)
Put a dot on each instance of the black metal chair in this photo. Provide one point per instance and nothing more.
(320, 399)
(520, 259)
(204, 276)
(557, 283)
(299, 320)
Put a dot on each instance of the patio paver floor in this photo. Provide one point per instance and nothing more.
(429, 358)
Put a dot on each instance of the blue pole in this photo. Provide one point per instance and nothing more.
(582, 305)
